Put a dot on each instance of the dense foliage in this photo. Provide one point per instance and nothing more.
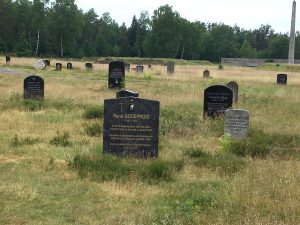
(60, 28)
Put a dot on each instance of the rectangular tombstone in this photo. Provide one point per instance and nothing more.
(47, 62)
(282, 79)
(235, 89)
(58, 66)
(206, 74)
(69, 66)
(116, 74)
(33, 87)
(127, 93)
(127, 67)
(217, 99)
(89, 66)
(139, 69)
(131, 127)
(7, 59)
(170, 67)
(236, 123)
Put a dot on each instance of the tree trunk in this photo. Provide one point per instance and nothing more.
(37, 43)
(61, 47)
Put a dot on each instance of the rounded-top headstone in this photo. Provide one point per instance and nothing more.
(282, 79)
(39, 64)
(7, 59)
(236, 123)
(58, 66)
(33, 87)
(206, 74)
(89, 66)
(69, 66)
(235, 89)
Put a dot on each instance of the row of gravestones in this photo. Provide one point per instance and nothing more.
(41, 64)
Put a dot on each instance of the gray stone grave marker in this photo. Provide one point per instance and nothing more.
(69, 66)
(39, 64)
(139, 69)
(282, 79)
(236, 123)
(127, 67)
(47, 62)
(170, 67)
(235, 90)
(206, 74)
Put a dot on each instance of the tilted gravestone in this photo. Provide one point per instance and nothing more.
(131, 127)
(206, 74)
(282, 79)
(170, 67)
(127, 67)
(127, 93)
(139, 69)
(235, 89)
(47, 62)
(236, 123)
(69, 66)
(217, 99)
(89, 66)
(7, 59)
(58, 66)
(39, 64)
(116, 74)
(33, 87)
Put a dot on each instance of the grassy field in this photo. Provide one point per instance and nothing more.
(53, 170)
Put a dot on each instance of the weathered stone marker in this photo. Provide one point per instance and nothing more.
(33, 87)
(47, 62)
(206, 74)
(58, 66)
(282, 79)
(127, 93)
(236, 123)
(170, 67)
(69, 66)
(127, 67)
(217, 99)
(116, 74)
(89, 66)
(39, 64)
(139, 69)
(7, 59)
(131, 127)
(235, 89)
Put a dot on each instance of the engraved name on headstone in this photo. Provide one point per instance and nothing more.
(131, 127)
(282, 79)
(236, 123)
(116, 74)
(235, 89)
(33, 87)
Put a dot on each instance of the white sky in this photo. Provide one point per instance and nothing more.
(248, 14)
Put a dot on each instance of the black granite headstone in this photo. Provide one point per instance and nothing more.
(58, 66)
(131, 127)
(206, 74)
(282, 79)
(170, 67)
(127, 67)
(7, 59)
(126, 93)
(217, 99)
(47, 62)
(69, 66)
(33, 87)
(139, 69)
(116, 74)
(235, 89)
(89, 66)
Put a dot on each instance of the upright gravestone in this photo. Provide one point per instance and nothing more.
(58, 66)
(282, 79)
(236, 123)
(170, 67)
(89, 66)
(131, 127)
(206, 74)
(235, 89)
(39, 64)
(116, 74)
(33, 87)
(69, 66)
(217, 99)
(149, 66)
(139, 69)
(7, 59)
(47, 62)
(126, 93)
(127, 67)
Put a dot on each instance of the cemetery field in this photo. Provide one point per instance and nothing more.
(53, 170)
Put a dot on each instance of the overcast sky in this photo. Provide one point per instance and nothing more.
(248, 14)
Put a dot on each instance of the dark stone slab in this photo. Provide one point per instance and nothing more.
(206, 74)
(47, 62)
(282, 79)
(7, 59)
(131, 127)
(217, 99)
(149, 66)
(170, 67)
(139, 69)
(89, 66)
(33, 87)
(116, 74)
(69, 66)
(235, 89)
(127, 67)
(126, 93)
(58, 66)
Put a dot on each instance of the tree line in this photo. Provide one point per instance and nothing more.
(61, 29)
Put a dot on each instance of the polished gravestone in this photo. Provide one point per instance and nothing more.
(7, 59)
(131, 127)
(89, 66)
(235, 89)
(236, 123)
(33, 87)
(170, 67)
(139, 69)
(39, 64)
(206, 74)
(282, 79)
(217, 99)
(58, 66)
(69, 66)
(116, 74)
(127, 93)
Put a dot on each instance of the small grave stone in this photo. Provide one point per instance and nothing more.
(149, 66)
(139, 69)
(282, 79)
(47, 62)
(33, 87)
(206, 74)
(131, 127)
(89, 66)
(217, 99)
(126, 93)
(58, 66)
(7, 59)
(116, 74)
(127, 67)
(69, 66)
(39, 64)
(170, 67)
(236, 123)
(235, 89)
